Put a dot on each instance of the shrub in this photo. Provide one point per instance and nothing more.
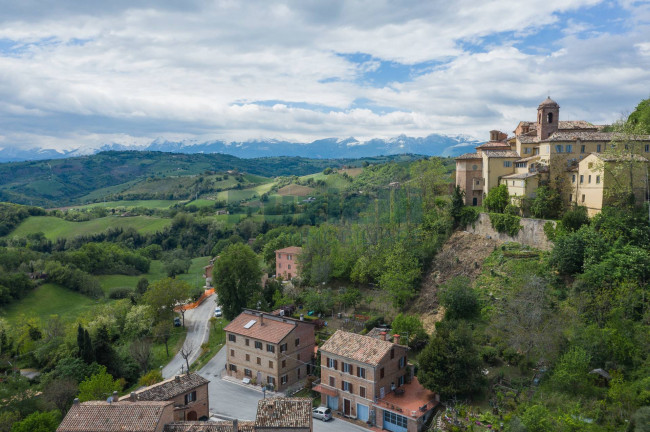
(505, 223)
(151, 378)
(120, 293)
(490, 355)
(497, 199)
(511, 356)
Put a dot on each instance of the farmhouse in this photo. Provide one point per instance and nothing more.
(286, 262)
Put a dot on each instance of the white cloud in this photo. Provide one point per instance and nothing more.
(94, 74)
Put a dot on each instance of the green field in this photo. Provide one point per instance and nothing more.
(156, 272)
(236, 195)
(127, 204)
(54, 227)
(49, 299)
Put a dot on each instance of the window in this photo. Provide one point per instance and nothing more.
(330, 363)
(270, 348)
(233, 367)
(401, 380)
(558, 148)
(474, 167)
(332, 381)
(507, 164)
(362, 392)
(232, 338)
(259, 360)
(258, 345)
(298, 357)
(395, 419)
(573, 178)
(527, 150)
(279, 255)
(232, 353)
(283, 347)
(402, 362)
(361, 372)
(582, 148)
(284, 364)
(289, 267)
(346, 367)
(346, 386)
(298, 373)
(570, 197)
(589, 179)
(248, 372)
(582, 179)
(248, 357)
(289, 257)
(598, 148)
(392, 353)
(279, 265)
(270, 364)
(284, 379)
(270, 380)
(597, 179)
(297, 342)
(381, 373)
(569, 148)
(583, 197)
(247, 341)
(190, 397)
(647, 148)
(549, 117)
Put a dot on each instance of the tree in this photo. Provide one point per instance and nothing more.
(151, 378)
(641, 420)
(237, 278)
(84, 345)
(138, 321)
(497, 199)
(410, 327)
(574, 218)
(186, 352)
(162, 332)
(571, 372)
(142, 286)
(459, 299)
(457, 205)
(401, 277)
(450, 364)
(536, 419)
(547, 203)
(164, 295)
(38, 422)
(98, 386)
(60, 393)
(140, 350)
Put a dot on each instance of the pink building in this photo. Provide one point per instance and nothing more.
(286, 262)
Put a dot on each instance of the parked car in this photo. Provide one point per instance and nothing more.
(322, 413)
(218, 312)
(177, 322)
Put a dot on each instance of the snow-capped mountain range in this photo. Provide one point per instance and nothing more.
(328, 148)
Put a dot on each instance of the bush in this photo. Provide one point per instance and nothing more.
(506, 223)
(490, 355)
(511, 356)
(468, 215)
(574, 218)
(120, 293)
(497, 199)
(151, 378)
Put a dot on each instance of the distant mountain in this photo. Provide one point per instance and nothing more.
(328, 148)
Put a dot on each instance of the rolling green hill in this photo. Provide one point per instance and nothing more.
(61, 182)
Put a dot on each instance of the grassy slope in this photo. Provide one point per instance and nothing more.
(128, 204)
(54, 227)
(49, 299)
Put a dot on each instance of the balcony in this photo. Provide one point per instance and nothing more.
(477, 184)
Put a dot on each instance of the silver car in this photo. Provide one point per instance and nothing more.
(322, 413)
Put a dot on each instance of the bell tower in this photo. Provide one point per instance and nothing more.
(548, 118)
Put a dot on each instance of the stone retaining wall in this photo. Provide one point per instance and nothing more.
(532, 234)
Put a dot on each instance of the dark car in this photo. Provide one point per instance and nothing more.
(177, 322)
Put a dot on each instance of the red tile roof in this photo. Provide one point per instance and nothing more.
(357, 347)
(469, 156)
(291, 250)
(273, 331)
(284, 413)
(414, 402)
(98, 416)
(169, 388)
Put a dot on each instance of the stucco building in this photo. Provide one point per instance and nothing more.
(268, 349)
(286, 262)
(548, 151)
(368, 378)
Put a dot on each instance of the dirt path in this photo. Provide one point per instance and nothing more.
(462, 255)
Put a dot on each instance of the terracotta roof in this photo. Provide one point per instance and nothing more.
(519, 176)
(577, 124)
(222, 426)
(280, 412)
(469, 156)
(502, 154)
(273, 331)
(548, 102)
(357, 347)
(528, 139)
(580, 135)
(170, 388)
(493, 144)
(98, 416)
(414, 402)
(291, 249)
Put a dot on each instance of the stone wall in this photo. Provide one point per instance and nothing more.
(532, 234)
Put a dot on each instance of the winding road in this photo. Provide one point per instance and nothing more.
(196, 321)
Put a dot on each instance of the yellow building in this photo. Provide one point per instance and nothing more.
(546, 151)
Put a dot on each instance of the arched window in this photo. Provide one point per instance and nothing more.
(549, 117)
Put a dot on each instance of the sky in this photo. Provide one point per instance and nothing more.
(81, 74)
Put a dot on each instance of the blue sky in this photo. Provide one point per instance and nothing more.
(130, 72)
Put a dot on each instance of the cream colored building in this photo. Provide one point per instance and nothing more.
(549, 151)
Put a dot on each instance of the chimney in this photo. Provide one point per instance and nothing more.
(396, 338)
(133, 397)
(235, 426)
(116, 398)
(262, 319)
(75, 401)
(383, 335)
(177, 378)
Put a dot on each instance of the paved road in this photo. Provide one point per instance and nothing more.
(235, 401)
(198, 327)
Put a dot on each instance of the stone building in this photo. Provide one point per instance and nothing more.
(269, 349)
(546, 151)
(286, 262)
